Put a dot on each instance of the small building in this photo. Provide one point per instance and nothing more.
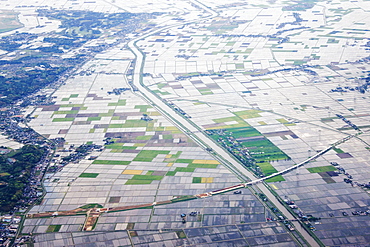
(7, 219)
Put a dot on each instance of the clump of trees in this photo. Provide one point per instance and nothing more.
(89, 24)
(16, 87)
(15, 172)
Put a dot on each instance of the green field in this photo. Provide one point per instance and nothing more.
(160, 92)
(131, 124)
(240, 123)
(66, 112)
(146, 177)
(88, 175)
(131, 181)
(143, 108)
(184, 161)
(321, 169)
(184, 169)
(264, 150)
(67, 119)
(338, 150)
(106, 114)
(175, 156)
(161, 85)
(148, 137)
(119, 146)
(53, 228)
(202, 166)
(248, 114)
(257, 144)
(111, 162)
(93, 118)
(205, 91)
(267, 168)
(244, 132)
(121, 102)
(71, 96)
(170, 173)
(270, 154)
(148, 155)
(282, 120)
(72, 105)
(278, 178)
(143, 179)
(240, 132)
(167, 137)
(260, 150)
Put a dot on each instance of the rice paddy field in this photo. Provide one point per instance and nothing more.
(266, 80)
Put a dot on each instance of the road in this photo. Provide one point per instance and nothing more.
(198, 136)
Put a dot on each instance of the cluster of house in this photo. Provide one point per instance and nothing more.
(9, 226)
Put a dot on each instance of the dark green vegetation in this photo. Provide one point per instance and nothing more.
(34, 68)
(149, 155)
(251, 148)
(171, 173)
(92, 205)
(321, 169)
(338, 150)
(275, 179)
(184, 169)
(88, 175)
(248, 140)
(111, 162)
(267, 168)
(23, 83)
(15, 170)
(202, 166)
(67, 119)
(53, 228)
(143, 179)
